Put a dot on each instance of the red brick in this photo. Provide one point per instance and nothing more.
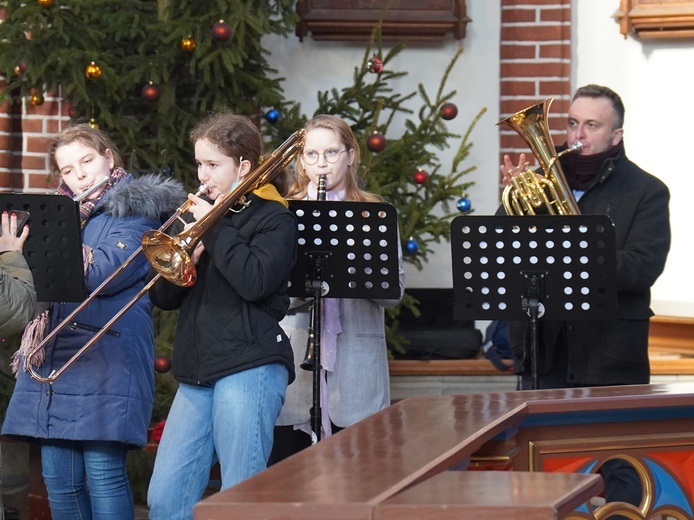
(12, 180)
(506, 3)
(555, 50)
(34, 162)
(555, 15)
(538, 33)
(514, 50)
(555, 88)
(40, 180)
(37, 143)
(518, 15)
(517, 88)
(535, 70)
(32, 125)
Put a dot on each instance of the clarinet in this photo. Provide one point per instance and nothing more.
(321, 188)
(309, 362)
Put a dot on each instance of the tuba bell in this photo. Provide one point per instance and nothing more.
(527, 191)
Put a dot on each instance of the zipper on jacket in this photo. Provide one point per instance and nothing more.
(75, 326)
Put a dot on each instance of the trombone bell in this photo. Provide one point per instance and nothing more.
(169, 257)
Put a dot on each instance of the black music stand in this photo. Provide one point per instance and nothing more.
(534, 267)
(53, 248)
(345, 250)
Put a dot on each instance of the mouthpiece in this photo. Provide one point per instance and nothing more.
(576, 147)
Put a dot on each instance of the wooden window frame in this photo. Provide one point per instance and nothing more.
(654, 19)
(422, 20)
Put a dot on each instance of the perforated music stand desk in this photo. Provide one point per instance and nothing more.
(534, 268)
(360, 243)
(53, 249)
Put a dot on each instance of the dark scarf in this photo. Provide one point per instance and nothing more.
(87, 206)
(582, 170)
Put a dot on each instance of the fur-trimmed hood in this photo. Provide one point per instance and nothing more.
(153, 196)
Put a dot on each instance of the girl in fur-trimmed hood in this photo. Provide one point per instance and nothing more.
(101, 406)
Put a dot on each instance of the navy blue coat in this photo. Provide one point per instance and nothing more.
(107, 394)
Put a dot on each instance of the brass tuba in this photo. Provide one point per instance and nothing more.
(527, 191)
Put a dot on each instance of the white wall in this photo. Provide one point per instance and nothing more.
(651, 77)
(653, 80)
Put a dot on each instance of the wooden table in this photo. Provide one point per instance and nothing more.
(355, 473)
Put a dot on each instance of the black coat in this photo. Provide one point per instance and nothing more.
(229, 318)
(616, 352)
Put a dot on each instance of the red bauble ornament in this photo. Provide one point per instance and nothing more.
(420, 177)
(150, 92)
(449, 111)
(376, 142)
(221, 31)
(375, 64)
(162, 364)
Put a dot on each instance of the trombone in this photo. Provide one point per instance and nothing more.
(170, 256)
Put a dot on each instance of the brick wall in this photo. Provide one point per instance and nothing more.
(535, 53)
(25, 129)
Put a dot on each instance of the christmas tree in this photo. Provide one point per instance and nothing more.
(144, 71)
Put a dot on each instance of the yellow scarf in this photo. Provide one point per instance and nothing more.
(269, 192)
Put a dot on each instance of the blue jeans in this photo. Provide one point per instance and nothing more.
(87, 480)
(231, 421)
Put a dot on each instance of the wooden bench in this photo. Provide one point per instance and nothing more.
(670, 344)
(382, 459)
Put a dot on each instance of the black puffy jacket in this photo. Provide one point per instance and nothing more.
(229, 318)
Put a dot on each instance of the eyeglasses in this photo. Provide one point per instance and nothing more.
(331, 155)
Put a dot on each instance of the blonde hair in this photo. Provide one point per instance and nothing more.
(354, 190)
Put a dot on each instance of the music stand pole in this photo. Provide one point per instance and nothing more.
(531, 304)
(315, 285)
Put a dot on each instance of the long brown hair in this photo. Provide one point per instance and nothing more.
(354, 190)
(236, 136)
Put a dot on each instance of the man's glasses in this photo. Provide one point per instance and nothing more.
(331, 155)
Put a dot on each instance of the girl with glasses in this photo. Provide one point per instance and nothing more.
(354, 359)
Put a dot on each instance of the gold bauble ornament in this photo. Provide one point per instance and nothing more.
(93, 123)
(93, 71)
(45, 3)
(36, 99)
(188, 44)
